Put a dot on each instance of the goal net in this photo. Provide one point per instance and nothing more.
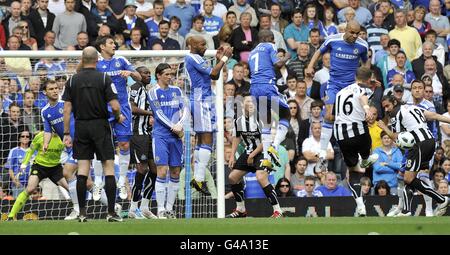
(22, 75)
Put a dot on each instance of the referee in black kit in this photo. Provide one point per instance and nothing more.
(86, 95)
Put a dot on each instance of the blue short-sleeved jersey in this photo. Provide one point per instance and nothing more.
(345, 58)
(198, 71)
(112, 67)
(53, 119)
(261, 61)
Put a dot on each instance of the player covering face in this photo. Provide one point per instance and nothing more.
(202, 103)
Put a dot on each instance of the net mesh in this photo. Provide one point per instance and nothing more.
(19, 75)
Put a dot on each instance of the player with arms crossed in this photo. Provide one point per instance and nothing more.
(53, 119)
(119, 69)
(262, 60)
(46, 165)
(413, 119)
(352, 133)
(248, 128)
(346, 51)
(167, 103)
(202, 103)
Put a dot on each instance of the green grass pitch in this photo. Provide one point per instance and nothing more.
(248, 226)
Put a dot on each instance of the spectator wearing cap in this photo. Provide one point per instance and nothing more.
(398, 90)
(408, 36)
(67, 25)
(388, 164)
(185, 12)
(130, 20)
(408, 75)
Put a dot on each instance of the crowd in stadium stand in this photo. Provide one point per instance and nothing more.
(407, 39)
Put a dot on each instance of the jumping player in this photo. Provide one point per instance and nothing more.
(346, 50)
(262, 61)
(202, 103)
(352, 133)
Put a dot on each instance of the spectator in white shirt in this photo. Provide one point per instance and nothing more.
(311, 148)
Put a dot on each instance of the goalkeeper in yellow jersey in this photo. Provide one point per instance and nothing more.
(46, 165)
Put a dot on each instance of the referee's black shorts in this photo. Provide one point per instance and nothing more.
(351, 147)
(141, 149)
(419, 156)
(93, 136)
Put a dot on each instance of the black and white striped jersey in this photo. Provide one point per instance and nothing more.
(412, 119)
(139, 95)
(248, 128)
(350, 117)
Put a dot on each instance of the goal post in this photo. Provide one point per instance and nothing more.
(148, 58)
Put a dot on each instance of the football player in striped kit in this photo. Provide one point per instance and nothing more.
(352, 133)
(141, 148)
(413, 119)
(248, 128)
